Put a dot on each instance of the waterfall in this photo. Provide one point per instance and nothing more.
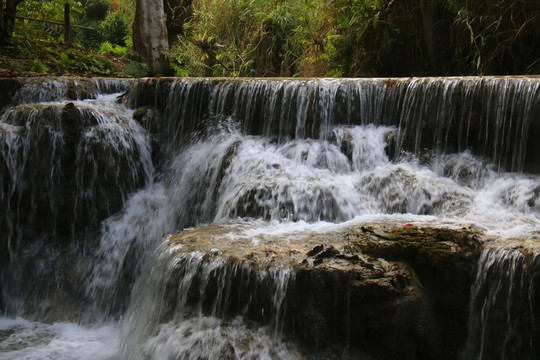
(194, 306)
(66, 166)
(504, 314)
(97, 174)
(491, 117)
(37, 90)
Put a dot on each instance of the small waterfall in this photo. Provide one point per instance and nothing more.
(503, 312)
(65, 167)
(185, 196)
(490, 117)
(195, 305)
(37, 90)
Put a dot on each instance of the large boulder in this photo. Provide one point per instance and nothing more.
(386, 291)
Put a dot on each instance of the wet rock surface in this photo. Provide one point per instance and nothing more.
(441, 263)
(383, 290)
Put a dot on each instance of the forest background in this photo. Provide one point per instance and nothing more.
(294, 38)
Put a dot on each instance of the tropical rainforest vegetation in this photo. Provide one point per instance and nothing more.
(341, 38)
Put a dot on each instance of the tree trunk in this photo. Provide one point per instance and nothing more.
(2, 16)
(428, 8)
(150, 35)
(7, 20)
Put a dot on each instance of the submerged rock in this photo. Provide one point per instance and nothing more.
(384, 290)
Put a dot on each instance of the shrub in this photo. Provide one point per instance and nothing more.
(115, 50)
(134, 69)
(115, 29)
(96, 9)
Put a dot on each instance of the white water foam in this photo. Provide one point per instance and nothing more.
(212, 338)
(181, 309)
(21, 339)
(307, 185)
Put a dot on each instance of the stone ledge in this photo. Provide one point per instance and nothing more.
(386, 290)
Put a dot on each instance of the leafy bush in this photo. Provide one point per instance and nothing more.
(115, 28)
(134, 69)
(52, 10)
(113, 49)
(245, 38)
(360, 38)
(96, 9)
(38, 66)
(308, 37)
(87, 38)
(497, 37)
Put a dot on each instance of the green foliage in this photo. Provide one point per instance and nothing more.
(244, 38)
(496, 37)
(38, 67)
(127, 10)
(134, 69)
(31, 57)
(93, 65)
(128, 40)
(293, 38)
(115, 28)
(113, 49)
(11, 67)
(96, 9)
(184, 65)
(112, 27)
(299, 38)
(359, 38)
(52, 10)
(354, 35)
(86, 38)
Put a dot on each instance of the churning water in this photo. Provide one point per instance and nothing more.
(23, 339)
(272, 158)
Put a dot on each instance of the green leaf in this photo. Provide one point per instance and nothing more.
(376, 21)
(416, 279)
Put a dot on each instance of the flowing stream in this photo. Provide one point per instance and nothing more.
(91, 189)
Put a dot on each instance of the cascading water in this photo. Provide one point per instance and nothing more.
(504, 306)
(492, 117)
(193, 307)
(65, 167)
(285, 156)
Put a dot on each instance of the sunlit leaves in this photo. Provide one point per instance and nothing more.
(49, 9)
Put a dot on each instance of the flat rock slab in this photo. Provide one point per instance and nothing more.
(355, 245)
